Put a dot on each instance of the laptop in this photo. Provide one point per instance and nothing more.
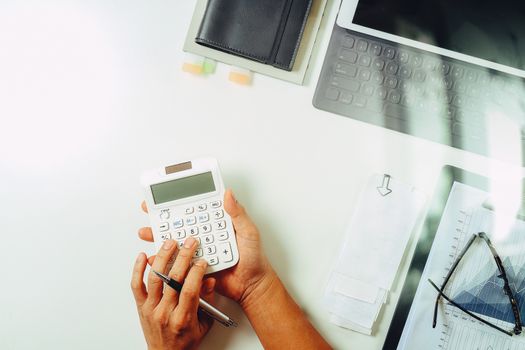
(449, 71)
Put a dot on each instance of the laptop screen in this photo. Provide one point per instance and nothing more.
(490, 30)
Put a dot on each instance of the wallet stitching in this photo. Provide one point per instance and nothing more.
(298, 43)
(280, 30)
(233, 49)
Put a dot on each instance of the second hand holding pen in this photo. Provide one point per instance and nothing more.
(206, 307)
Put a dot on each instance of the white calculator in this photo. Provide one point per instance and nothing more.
(186, 200)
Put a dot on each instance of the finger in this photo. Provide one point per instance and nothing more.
(155, 284)
(189, 296)
(151, 259)
(146, 234)
(137, 280)
(208, 288)
(178, 272)
(244, 226)
(144, 206)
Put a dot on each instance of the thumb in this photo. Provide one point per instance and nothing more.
(244, 226)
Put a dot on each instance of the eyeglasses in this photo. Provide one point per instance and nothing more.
(506, 289)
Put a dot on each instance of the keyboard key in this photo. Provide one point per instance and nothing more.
(198, 253)
(394, 96)
(398, 111)
(365, 60)
(202, 207)
(346, 84)
(223, 236)
(364, 74)
(164, 214)
(210, 249)
(346, 97)
(389, 52)
(204, 217)
(375, 49)
(332, 94)
(180, 234)
(348, 56)
(178, 223)
(189, 210)
(218, 214)
(405, 72)
(360, 101)
(362, 45)
(379, 64)
(391, 68)
(225, 252)
(219, 225)
(165, 236)
(419, 76)
(382, 93)
(457, 72)
(205, 228)
(216, 204)
(391, 82)
(377, 78)
(345, 69)
(348, 41)
(367, 89)
(444, 68)
(190, 220)
(403, 57)
(416, 60)
(164, 227)
(208, 239)
(212, 260)
(193, 231)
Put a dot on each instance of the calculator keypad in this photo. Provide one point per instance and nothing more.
(205, 222)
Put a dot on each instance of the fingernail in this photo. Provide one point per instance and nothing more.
(210, 287)
(201, 263)
(189, 242)
(168, 244)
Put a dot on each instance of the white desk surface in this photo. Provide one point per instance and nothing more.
(91, 94)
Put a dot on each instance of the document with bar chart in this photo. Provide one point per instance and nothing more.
(475, 284)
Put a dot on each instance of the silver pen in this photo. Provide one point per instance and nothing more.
(206, 307)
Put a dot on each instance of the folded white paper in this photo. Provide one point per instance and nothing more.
(377, 236)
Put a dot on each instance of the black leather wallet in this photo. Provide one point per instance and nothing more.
(267, 31)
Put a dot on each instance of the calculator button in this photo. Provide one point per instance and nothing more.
(194, 231)
(208, 239)
(218, 214)
(165, 236)
(189, 210)
(191, 220)
(180, 234)
(216, 204)
(205, 228)
(225, 252)
(223, 236)
(202, 207)
(219, 225)
(198, 253)
(213, 260)
(204, 217)
(211, 249)
(164, 214)
(164, 227)
(180, 244)
(178, 223)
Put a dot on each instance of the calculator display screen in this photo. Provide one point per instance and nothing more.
(182, 188)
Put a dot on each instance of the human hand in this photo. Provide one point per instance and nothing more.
(170, 320)
(253, 272)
